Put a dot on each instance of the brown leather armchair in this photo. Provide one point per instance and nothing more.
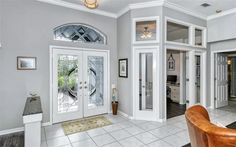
(205, 134)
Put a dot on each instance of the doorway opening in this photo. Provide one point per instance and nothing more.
(176, 83)
(186, 73)
(225, 81)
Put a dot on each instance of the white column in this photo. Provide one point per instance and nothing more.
(192, 78)
(32, 130)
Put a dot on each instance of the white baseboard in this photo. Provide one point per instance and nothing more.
(20, 129)
(161, 120)
(10, 131)
(46, 124)
(125, 115)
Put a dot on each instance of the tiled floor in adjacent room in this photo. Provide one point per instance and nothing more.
(130, 133)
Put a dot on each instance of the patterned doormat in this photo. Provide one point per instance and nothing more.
(81, 125)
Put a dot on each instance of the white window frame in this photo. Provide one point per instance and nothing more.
(139, 19)
(203, 29)
(191, 38)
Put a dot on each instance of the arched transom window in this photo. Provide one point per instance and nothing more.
(79, 33)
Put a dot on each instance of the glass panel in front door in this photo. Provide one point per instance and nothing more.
(95, 81)
(145, 81)
(67, 83)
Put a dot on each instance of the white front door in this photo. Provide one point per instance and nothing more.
(95, 83)
(146, 84)
(80, 84)
(221, 80)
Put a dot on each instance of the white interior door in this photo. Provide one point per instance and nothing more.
(221, 80)
(190, 78)
(67, 85)
(80, 84)
(95, 83)
(146, 83)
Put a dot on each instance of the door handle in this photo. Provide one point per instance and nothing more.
(85, 87)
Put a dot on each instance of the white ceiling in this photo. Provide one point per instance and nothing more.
(114, 6)
(195, 5)
(117, 6)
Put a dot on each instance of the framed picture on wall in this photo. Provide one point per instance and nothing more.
(123, 68)
(171, 63)
(26, 63)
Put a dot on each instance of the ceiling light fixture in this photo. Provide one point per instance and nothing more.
(146, 33)
(91, 4)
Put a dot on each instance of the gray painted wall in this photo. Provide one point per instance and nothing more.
(124, 42)
(183, 17)
(222, 28)
(28, 31)
(124, 51)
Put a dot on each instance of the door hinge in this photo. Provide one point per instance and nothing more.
(215, 98)
(187, 80)
(187, 101)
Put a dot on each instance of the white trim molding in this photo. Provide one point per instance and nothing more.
(149, 4)
(10, 131)
(184, 10)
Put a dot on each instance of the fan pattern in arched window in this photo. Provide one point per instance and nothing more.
(79, 33)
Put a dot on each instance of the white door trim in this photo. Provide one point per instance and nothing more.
(156, 93)
(51, 47)
(203, 72)
(212, 79)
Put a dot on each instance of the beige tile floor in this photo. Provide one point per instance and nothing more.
(131, 133)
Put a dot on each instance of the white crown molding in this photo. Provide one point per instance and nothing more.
(147, 4)
(78, 7)
(164, 3)
(156, 3)
(123, 11)
(184, 10)
(224, 13)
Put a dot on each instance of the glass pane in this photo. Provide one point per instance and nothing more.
(95, 81)
(79, 33)
(198, 37)
(145, 81)
(145, 30)
(198, 77)
(67, 83)
(177, 33)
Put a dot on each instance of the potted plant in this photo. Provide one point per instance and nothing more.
(114, 100)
